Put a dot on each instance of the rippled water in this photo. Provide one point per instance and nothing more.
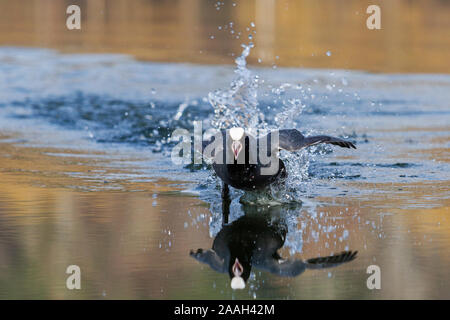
(117, 114)
(114, 99)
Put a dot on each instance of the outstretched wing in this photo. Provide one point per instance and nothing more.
(292, 140)
(209, 257)
(292, 268)
(331, 261)
(285, 268)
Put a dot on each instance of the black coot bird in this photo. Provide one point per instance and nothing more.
(242, 161)
(253, 240)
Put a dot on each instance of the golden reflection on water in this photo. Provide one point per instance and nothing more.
(414, 36)
(121, 239)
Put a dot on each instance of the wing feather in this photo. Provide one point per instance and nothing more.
(292, 140)
(331, 261)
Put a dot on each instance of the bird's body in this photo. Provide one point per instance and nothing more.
(248, 163)
(254, 240)
(248, 176)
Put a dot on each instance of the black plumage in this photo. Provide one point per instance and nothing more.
(253, 240)
(238, 160)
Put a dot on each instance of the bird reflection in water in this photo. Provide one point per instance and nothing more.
(253, 240)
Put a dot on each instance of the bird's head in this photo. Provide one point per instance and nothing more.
(237, 135)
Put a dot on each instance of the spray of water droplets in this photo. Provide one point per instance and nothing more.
(239, 106)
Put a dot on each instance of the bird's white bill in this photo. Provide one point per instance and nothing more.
(236, 146)
(237, 268)
(237, 283)
(236, 133)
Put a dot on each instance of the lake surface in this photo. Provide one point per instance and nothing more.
(86, 179)
(292, 33)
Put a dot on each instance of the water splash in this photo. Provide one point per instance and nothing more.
(238, 106)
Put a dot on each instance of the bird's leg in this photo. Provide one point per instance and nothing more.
(225, 191)
(225, 203)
